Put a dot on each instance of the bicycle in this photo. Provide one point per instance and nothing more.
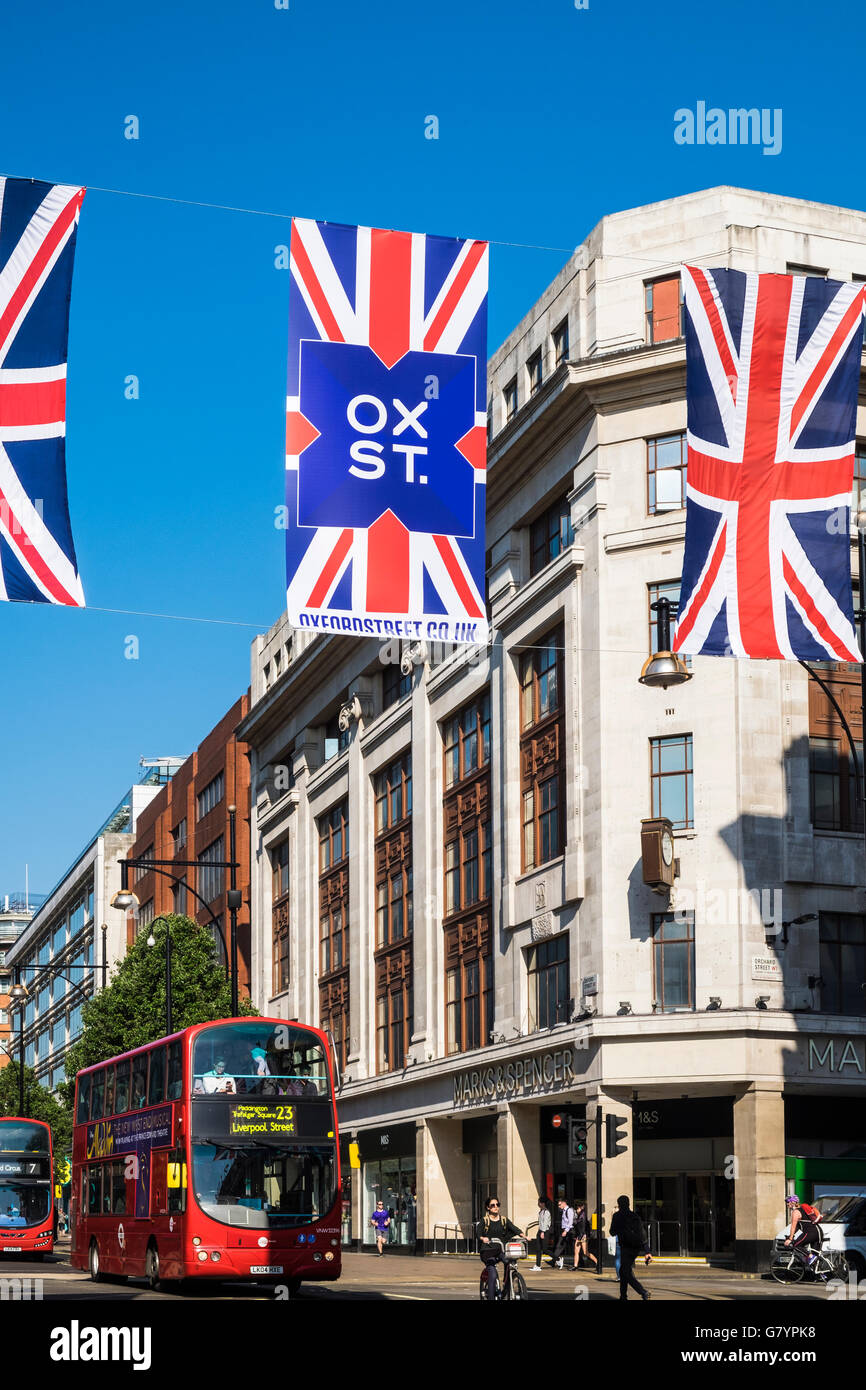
(513, 1286)
(789, 1264)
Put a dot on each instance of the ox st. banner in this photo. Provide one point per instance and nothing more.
(386, 433)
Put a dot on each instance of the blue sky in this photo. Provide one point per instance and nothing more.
(549, 117)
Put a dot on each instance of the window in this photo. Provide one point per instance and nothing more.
(175, 1070)
(666, 473)
(509, 397)
(549, 535)
(178, 836)
(673, 937)
(178, 895)
(466, 738)
(59, 940)
(560, 343)
(211, 796)
(842, 939)
(336, 739)
(331, 925)
(833, 784)
(139, 872)
(663, 301)
(139, 1081)
(393, 1026)
(671, 777)
(156, 1085)
(145, 914)
(467, 868)
(394, 906)
(280, 924)
(393, 793)
(858, 499)
(396, 684)
(211, 878)
(334, 836)
(669, 589)
(121, 1100)
(280, 870)
(540, 751)
(547, 964)
(792, 268)
(533, 370)
(468, 989)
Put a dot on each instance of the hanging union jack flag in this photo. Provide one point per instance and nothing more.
(386, 433)
(773, 365)
(38, 222)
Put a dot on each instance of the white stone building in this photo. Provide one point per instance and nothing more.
(479, 939)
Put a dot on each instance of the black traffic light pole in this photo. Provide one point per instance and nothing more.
(598, 1204)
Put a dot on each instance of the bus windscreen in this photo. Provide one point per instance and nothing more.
(259, 1059)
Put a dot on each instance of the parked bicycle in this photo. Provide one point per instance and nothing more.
(513, 1285)
(790, 1265)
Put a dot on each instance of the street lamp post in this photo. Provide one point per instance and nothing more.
(125, 899)
(151, 941)
(18, 994)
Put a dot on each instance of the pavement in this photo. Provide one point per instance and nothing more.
(429, 1278)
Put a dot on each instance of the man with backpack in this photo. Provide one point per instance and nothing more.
(627, 1225)
(805, 1228)
(564, 1237)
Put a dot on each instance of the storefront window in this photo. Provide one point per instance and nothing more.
(392, 1181)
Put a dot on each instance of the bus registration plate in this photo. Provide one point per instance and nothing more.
(12, 1249)
(266, 1269)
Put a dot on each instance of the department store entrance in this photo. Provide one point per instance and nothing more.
(687, 1213)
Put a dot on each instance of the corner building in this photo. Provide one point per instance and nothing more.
(447, 843)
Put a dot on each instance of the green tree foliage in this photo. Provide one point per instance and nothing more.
(131, 1010)
(39, 1104)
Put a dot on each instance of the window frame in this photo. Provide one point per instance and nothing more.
(560, 968)
(653, 470)
(659, 940)
(659, 778)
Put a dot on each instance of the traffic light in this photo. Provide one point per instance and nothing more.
(616, 1142)
(576, 1140)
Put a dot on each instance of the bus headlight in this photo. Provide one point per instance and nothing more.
(317, 1257)
(335, 1241)
(214, 1254)
(202, 1254)
(196, 1240)
(329, 1255)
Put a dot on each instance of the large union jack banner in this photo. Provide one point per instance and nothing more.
(386, 433)
(38, 223)
(773, 365)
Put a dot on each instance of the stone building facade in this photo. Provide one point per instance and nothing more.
(446, 855)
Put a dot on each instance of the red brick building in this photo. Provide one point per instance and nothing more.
(189, 819)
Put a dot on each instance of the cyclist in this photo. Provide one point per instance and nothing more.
(805, 1229)
(492, 1231)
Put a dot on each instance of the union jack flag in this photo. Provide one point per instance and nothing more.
(773, 364)
(38, 223)
(386, 432)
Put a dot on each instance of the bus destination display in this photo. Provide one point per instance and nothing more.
(262, 1119)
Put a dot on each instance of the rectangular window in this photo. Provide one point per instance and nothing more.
(396, 684)
(145, 914)
(280, 870)
(858, 500)
(673, 935)
(549, 1001)
(211, 878)
(560, 343)
(549, 535)
(533, 371)
(121, 1101)
(466, 740)
(211, 796)
(393, 793)
(667, 458)
(178, 893)
(394, 907)
(334, 837)
(139, 871)
(541, 680)
(156, 1085)
(842, 938)
(178, 836)
(509, 398)
(663, 301)
(139, 1081)
(671, 778)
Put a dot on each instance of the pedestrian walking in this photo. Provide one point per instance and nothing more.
(566, 1215)
(627, 1226)
(581, 1239)
(544, 1223)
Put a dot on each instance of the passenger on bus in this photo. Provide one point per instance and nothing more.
(217, 1082)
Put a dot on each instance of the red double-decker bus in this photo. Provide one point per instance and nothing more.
(26, 1188)
(211, 1153)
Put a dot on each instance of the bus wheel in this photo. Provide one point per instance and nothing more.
(151, 1266)
(93, 1263)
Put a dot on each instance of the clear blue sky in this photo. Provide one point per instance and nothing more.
(549, 116)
